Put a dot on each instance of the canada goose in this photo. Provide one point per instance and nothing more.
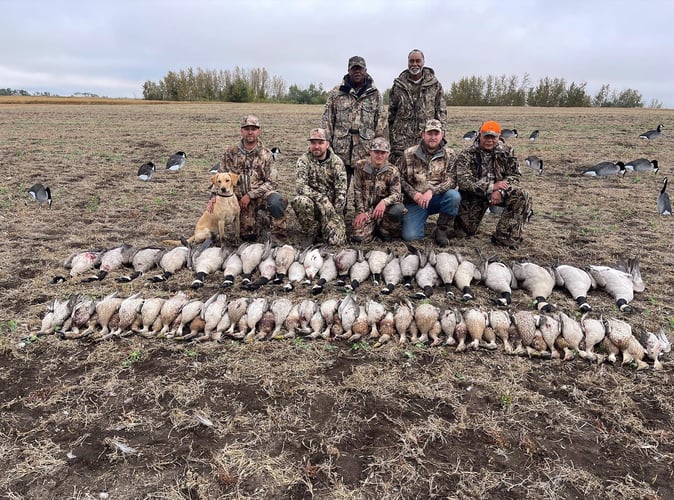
(537, 281)
(466, 272)
(620, 282)
(499, 278)
(267, 270)
(409, 265)
(392, 275)
(112, 259)
(41, 194)
(577, 282)
(344, 259)
(206, 259)
(426, 276)
(176, 161)
(643, 165)
(80, 263)
(533, 136)
(171, 261)
(446, 265)
(470, 135)
(231, 268)
(358, 272)
(146, 171)
(605, 169)
(377, 260)
(313, 260)
(652, 134)
(275, 152)
(284, 256)
(535, 164)
(251, 255)
(215, 168)
(664, 203)
(142, 260)
(326, 274)
(507, 133)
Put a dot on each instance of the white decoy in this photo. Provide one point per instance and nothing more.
(146, 171)
(642, 165)
(652, 134)
(535, 164)
(41, 194)
(664, 203)
(534, 136)
(176, 161)
(507, 133)
(470, 135)
(275, 152)
(605, 169)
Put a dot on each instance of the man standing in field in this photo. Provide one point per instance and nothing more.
(354, 115)
(488, 174)
(321, 191)
(256, 189)
(429, 185)
(416, 96)
(377, 195)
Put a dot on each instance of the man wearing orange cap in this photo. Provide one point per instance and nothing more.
(488, 174)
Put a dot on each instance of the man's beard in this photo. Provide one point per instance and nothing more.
(415, 70)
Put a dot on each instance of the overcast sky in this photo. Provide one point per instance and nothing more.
(111, 47)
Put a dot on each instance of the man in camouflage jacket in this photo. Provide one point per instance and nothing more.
(256, 189)
(321, 191)
(488, 174)
(354, 115)
(428, 181)
(416, 96)
(377, 195)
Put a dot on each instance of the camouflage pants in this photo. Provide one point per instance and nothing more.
(322, 217)
(517, 206)
(389, 224)
(264, 215)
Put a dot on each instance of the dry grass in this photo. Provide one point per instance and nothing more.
(300, 419)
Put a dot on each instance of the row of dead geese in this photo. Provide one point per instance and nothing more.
(249, 319)
(255, 265)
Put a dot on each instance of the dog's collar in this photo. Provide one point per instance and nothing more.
(224, 195)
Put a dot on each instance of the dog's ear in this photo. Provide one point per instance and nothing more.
(214, 179)
(234, 177)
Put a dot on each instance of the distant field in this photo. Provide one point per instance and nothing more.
(294, 418)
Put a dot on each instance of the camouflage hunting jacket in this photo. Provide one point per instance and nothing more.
(411, 105)
(477, 170)
(371, 186)
(352, 119)
(421, 171)
(322, 180)
(256, 169)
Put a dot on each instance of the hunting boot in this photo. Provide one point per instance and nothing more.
(443, 229)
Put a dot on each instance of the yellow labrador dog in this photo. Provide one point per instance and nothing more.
(222, 215)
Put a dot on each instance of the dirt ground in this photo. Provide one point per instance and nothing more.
(134, 417)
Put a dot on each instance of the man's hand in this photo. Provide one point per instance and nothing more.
(423, 199)
(496, 197)
(379, 210)
(502, 184)
(244, 201)
(360, 220)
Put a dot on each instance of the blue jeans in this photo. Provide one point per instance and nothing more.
(414, 221)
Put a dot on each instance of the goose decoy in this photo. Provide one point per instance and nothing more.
(664, 203)
(146, 171)
(643, 165)
(40, 194)
(470, 135)
(215, 168)
(652, 134)
(535, 164)
(533, 136)
(176, 161)
(606, 169)
(506, 133)
(275, 151)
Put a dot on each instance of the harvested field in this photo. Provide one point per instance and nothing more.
(138, 417)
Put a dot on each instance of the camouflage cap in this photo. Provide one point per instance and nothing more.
(357, 61)
(250, 121)
(318, 134)
(380, 144)
(491, 128)
(433, 125)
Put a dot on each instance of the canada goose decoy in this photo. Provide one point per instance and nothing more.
(533, 136)
(275, 152)
(606, 169)
(470, 135)
(643, 165)
(507, 133)
(176, 161)
(215, 168)
(652, 134)
(534, 163)
(664, 203)
(41, 194)
(146, 171)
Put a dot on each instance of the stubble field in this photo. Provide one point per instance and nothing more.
(298, 418)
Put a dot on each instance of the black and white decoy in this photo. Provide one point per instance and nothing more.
(41, 194)
(533, 136)
(606, 169)
(470, 135)
(275, 152)
(507, 133)
(146, 171)
(643, 165)
(176, 161)
(535, 164)
(215, 168)
(664, 203)
(652, 134)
